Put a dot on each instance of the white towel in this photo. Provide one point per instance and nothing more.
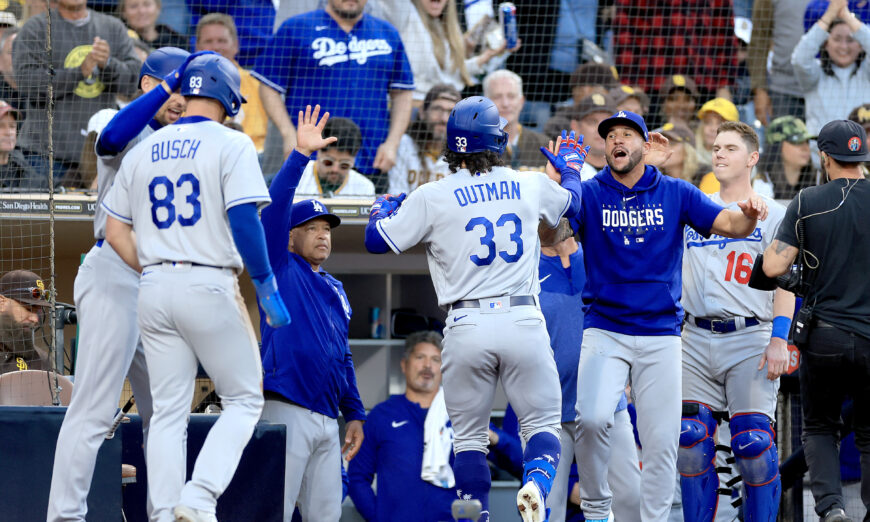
(437, 444)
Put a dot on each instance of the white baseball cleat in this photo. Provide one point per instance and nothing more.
(188, 514)
(530, 503)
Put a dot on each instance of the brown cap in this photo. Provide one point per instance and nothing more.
(624, 92)
(677, 133)
(6, 108)
(24, 287)
(590, 104)
(679, 81)
(591, 73)
(441, 91)
(861, 114)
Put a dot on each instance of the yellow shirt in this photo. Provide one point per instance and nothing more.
(709, 184)
(255, 119)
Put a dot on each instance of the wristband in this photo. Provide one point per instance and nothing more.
(781, 327)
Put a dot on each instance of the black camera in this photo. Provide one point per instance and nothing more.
(793, 280)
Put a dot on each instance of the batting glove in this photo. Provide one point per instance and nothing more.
(385, 205)
(271, 302)
(173, 79)
(571, 154)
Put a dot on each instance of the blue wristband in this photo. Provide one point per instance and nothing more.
(781, 327)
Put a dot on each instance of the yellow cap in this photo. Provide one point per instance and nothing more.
(720, 106)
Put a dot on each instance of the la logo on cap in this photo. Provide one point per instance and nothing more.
(621, 114)
(317, 206)
(854, 143)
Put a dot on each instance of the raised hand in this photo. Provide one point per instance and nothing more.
(309, 131)
(571, 154)
(173, 79)
(386, 205)
(659, 151)
(754, 207)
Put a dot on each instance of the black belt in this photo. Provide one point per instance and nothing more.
(182, 263)
(516, 300)
(721, 325)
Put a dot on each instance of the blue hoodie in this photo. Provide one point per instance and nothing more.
(633, 248)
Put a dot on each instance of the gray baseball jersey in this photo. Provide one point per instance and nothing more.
(188, 171)
(481, 232)
(108, 166)
(716, 270)
(410, 171)
(109, 349)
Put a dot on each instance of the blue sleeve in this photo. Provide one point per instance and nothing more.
(403, 77)
(274, 64)
(508, 453)
(697, 209)
(276, 217)
(571, 182)
(375, 243)
(250, 240)
(361, 472)
(129, 121)
(351, 405)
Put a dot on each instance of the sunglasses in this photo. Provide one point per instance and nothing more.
(343, 165)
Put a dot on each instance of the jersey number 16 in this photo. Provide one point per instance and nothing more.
(740, 266)
(167, 201)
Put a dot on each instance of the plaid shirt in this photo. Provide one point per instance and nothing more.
(654, 39)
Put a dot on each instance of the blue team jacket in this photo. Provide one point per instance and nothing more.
(308, 361)
(632, 242)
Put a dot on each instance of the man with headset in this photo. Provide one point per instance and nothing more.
(832, 328)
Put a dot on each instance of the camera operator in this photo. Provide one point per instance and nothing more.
(829, 226)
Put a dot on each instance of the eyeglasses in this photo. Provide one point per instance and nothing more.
(343, 165)
(35, 292)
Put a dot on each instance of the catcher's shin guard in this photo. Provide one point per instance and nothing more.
(753, 445)
(696, 463)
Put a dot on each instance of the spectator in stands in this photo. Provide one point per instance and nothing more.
(16, 174)
(711, 115)
(434, 44)
(816, 9)
(8, 85)
(505, 89)
(332, 173)
(861, 115)
(141, 16)
(840, 78)
(626, 98)
(253, 19)
(92, 61)
(398, 442)
(683, 161)
(23, 299)
(419, 159)
(654, 40)
(217, 32)
(584, 119)
(353, 62)
(776, 29)
(785, 167)
(591, 78)
(679, 96)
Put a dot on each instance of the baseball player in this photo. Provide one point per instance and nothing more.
(631, 229)
(309, 373)
(191, 191)
(105, 292)
(480, 227)
(562, 275)
(731, 331)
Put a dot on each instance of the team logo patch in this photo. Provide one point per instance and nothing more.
(621, 114)
(495, 305)
(317, 206)
(854, 143)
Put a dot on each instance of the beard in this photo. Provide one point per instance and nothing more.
(634, 158)
(348, 14)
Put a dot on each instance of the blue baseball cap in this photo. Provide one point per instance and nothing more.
(305, 211)
(627, 118)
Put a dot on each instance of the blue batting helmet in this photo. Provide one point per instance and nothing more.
(213, 76)
(162, 61)
(475, 126)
